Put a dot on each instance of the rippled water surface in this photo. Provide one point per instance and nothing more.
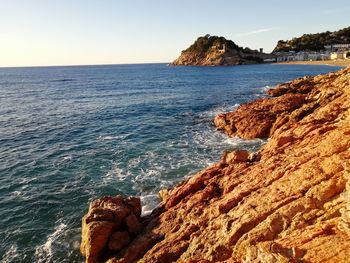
(72, 134)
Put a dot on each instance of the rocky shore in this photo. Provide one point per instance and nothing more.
(289, 202)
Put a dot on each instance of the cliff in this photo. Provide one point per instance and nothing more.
(289, 202)
(217, 51)
(314, 42)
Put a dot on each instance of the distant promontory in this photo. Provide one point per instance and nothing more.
(218, 51)
(316, 42)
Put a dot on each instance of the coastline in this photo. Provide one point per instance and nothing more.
(260, 206)
(343, 63)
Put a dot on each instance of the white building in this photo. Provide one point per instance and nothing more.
(301, 56)
(337, 55)
(223, 50)
(314, 56)
(325, 56)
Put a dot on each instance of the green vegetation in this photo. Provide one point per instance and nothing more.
(314, 42)
(204, 43)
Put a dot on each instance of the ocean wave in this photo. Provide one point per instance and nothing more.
(219, 109)
(10, 255)
(236, 141)
(115, 174)
(44, 252)
(265, 88)
(67, 158)
(110, 137)
(149, 203)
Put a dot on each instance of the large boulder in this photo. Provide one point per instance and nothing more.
(109, 225)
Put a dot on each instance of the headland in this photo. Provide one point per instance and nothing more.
(218, 51)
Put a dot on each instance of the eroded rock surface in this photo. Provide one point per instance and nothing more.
(287, 203)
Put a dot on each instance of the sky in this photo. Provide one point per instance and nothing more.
(89, 32)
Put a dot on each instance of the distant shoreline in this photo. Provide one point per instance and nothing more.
(344, 63)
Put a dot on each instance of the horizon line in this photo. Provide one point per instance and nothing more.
(83, 65)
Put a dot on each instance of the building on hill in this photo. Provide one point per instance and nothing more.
(337, 47)
(223, 50)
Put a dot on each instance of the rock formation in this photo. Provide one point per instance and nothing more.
(217, 51)
(286, 203)
(109, 226)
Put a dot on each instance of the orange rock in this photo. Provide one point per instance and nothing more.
(105, 216)
(134, 203)
(164, 194)
(99, 214)
(236, 157)
(255, 119)
(344, 223)
(95, 236)
(118, 240)
(220, 121)
(133, 224)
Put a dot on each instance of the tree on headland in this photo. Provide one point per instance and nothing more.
(204, 43)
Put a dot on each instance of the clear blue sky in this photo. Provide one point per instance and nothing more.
(75, 32)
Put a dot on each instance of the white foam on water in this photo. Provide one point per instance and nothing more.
(67, 158)
(134, 162)
(266, 88)
(110, 137)
(220, 109)
(10, 255)
(149, 203)
(44, 252)
(17, 193)
(236, 141)
(116, 174)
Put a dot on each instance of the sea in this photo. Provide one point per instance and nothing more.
(69, 135)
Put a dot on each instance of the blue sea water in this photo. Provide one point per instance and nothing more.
(69, 135)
